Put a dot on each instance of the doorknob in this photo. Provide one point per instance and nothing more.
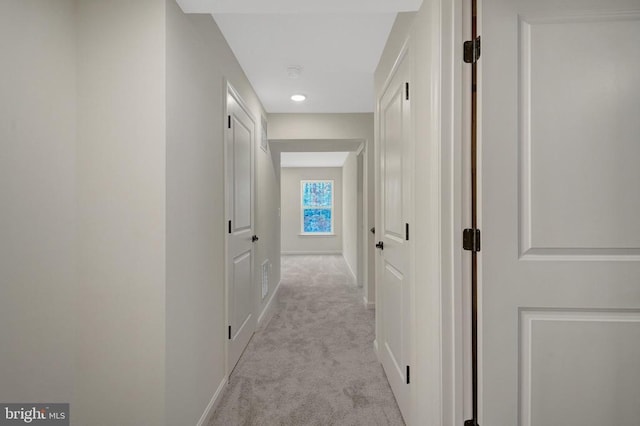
(254, 238)
(380, 245)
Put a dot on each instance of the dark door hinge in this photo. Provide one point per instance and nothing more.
(471, 239)
(229, 332)
(229, 121)
(229, 226)
(406, 231)
(408, 375)
(406, 91)
(472, 51)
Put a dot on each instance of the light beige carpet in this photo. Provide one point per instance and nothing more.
(313, 364)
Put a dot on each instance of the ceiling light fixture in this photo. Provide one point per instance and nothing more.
(298, 98)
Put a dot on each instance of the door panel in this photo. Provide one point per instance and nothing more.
(392, 158)
(393, 263)
(554, 361)
(394, 284)
(241, 292)
(560, 260)
(240, 259)
(596, 131)
(242, 144)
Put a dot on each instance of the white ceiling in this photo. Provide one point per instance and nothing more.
(313, 159)
(298, 6)
(337, 43)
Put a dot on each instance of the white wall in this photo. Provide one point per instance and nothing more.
(37, 200)
(198, 61)
(121, 210)
(112, 225)
(350, 220)
(321, 126)
(337, 126)
(268, 225)
(292, 241)
(434, 35)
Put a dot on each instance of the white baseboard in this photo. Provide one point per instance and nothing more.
(310, 253)
(367, 304)
(211, 407)
(353, 275)
(269, 308)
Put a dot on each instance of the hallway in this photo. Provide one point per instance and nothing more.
(313, 363)
(483, 191)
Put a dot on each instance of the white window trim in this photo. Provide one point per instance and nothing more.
(332, 208)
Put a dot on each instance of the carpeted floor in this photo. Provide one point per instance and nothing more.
(313, 364)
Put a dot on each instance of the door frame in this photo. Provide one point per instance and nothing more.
(439, 103)
(468, 195)
(229, 90)
(443, 123)
(457, 167)
(361, 209)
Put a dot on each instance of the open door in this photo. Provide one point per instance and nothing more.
(560, 201)
(393, 263)
(239, 157)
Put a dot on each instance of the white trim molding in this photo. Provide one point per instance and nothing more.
(353, 274)
(269, 308)
(367, 304)
(213, 404)
(311, 253)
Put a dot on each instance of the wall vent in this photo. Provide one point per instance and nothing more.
(266, 267)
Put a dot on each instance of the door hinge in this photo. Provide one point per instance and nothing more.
(229, 121)
(471, 239)
(408, 375)
(229, 226)
(229, 332)
(406, 236)
(406, 91)
(472, 51)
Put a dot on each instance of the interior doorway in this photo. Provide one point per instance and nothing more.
(343, 163)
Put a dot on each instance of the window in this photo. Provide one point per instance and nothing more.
(316, 207)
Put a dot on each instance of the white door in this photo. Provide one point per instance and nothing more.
(560, 259)
(239, 139)
(394, 252)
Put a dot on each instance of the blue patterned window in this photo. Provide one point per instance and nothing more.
(317, 206)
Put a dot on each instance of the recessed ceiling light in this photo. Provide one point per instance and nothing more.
(298, 98)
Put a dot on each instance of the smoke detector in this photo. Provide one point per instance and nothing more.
(294, 71)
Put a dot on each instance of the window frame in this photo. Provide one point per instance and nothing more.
(332, 208)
